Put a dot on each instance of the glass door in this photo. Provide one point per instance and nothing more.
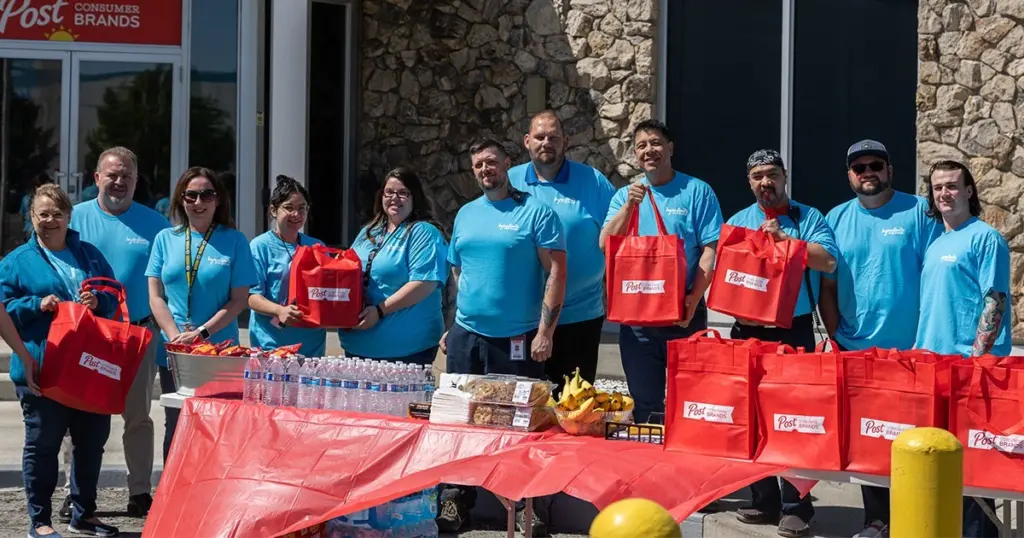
(35, 109)
(129, 100)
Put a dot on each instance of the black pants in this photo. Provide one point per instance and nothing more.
(576, 345)
(766, 494)
(472, 353)
(170, 413)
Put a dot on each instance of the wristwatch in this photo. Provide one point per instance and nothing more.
(204, 332)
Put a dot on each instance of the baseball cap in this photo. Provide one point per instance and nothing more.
(866, 147)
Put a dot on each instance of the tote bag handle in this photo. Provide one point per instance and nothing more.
(634, 217)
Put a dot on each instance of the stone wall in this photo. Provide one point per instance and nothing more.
(438, 74)
(971, 108)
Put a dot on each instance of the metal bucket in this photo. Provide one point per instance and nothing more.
(207, 376)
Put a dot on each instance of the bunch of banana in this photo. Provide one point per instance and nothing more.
(581, 402)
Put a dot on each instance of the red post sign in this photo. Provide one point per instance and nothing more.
(140, 22)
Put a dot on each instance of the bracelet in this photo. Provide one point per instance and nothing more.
(380, 311)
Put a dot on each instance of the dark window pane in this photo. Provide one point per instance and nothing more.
(214, 97)
(855, 77)
(723, 89)
(326, 121)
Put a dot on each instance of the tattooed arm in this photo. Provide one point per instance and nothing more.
(554, 294)
(990, 322)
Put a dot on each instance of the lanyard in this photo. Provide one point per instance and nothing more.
(373, 254)
(192, 268)
(287, 245)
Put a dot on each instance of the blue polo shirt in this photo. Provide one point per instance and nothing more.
(812, 229)
(960, 267)
(416, 253)
(226, 264)
(690, 210)
(878, 270)
(272, 258)
(501, 282)
(580, 196)
(126, 241)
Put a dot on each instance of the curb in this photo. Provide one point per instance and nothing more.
(110, 476)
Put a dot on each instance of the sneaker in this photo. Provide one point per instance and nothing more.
(540, 529)
(875, 529)
(64, 514)
(139, 505)
(755, 516)
(792, 526)
(92, 527)
(52, 533)
(452, 516)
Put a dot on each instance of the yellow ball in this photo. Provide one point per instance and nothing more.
(634, 518)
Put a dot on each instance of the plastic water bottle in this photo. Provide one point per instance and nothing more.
(291, 382)
(374, 401)
(273, 382)
(363, 380)
(307, 387)
(428, 383)
(319, 375)
(349, 385)
(253, 380)
(415, 394)
(334, 390)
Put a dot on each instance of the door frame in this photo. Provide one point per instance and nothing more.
(179, 131)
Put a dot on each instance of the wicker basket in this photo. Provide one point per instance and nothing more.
(207, 375)
(596, 427)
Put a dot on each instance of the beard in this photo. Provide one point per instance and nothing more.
(492, 183)
(872, 189)
(767, 196)
(547, 157)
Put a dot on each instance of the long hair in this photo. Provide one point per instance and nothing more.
(973, 202)
(422, 209)
(221, 216)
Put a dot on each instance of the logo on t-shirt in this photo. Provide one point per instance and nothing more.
(896, 230)
(745, 280)
(214, 260)
(136, 241)
(949, 258)
(650, 287)
(564, 200)
(334, 295)
(677, 211)
(509, 227)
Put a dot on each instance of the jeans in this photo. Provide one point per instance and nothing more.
(422, 358)
(472, 353)
(976, 523)
(766, 494)
(46, 422)
(576, 345)
(170, 413)
(644, 352)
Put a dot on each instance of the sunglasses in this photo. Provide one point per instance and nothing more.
(875, 166)
(206, 195)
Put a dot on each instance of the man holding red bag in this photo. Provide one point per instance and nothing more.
(784, 219)
(691, 212)
(872, 299)
(965, 291)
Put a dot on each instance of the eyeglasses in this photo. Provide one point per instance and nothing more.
(56, 215)
(206, 195)
(875, 166)
(391, 193)
(301, 210)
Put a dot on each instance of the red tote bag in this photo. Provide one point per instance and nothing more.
(756, 277)
(711, 396)
(884, 397)
(90, 362)
(987, 415)
(646, 275)
(799, 410)
(327, 286)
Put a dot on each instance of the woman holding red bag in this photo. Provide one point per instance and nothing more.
(34, 278)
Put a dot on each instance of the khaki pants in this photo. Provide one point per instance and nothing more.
(138, 426)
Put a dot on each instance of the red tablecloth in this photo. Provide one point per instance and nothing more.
(244, 470)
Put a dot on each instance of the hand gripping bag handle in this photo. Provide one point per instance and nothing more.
(103, 284)
(979, 370)
(634, 217)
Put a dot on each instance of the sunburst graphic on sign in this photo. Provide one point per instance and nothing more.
(61, 34)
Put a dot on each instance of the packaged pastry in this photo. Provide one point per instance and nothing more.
(508, 390)
(509, 417)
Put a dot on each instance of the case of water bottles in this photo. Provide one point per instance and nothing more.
(408, 517)
(338, 383)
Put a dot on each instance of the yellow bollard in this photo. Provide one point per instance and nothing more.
(634, 518)
(927, 484)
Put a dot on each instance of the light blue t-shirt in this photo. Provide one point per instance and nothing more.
(226, 264)
(580, 196)
(690, 210)
(501, 282)
(878, 270)
(960, 268)
(813, 229)
(272, 258)
(414, 253)
(68, 268)
(126, 242)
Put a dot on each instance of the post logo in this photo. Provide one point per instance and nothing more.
(100, 366)
(642, 287)
(745, 280)
(333, 295)
(708, 412)
(880, 429)
(799, 424)
(983, 440)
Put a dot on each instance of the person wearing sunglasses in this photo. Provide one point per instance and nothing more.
(271, 316)
(34, 279)
(872, 298)
(200, 272)
(404, 272)
(783, 218)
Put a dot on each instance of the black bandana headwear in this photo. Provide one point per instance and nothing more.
(762, 157)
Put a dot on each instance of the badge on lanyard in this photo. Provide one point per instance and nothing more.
(517, 350)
